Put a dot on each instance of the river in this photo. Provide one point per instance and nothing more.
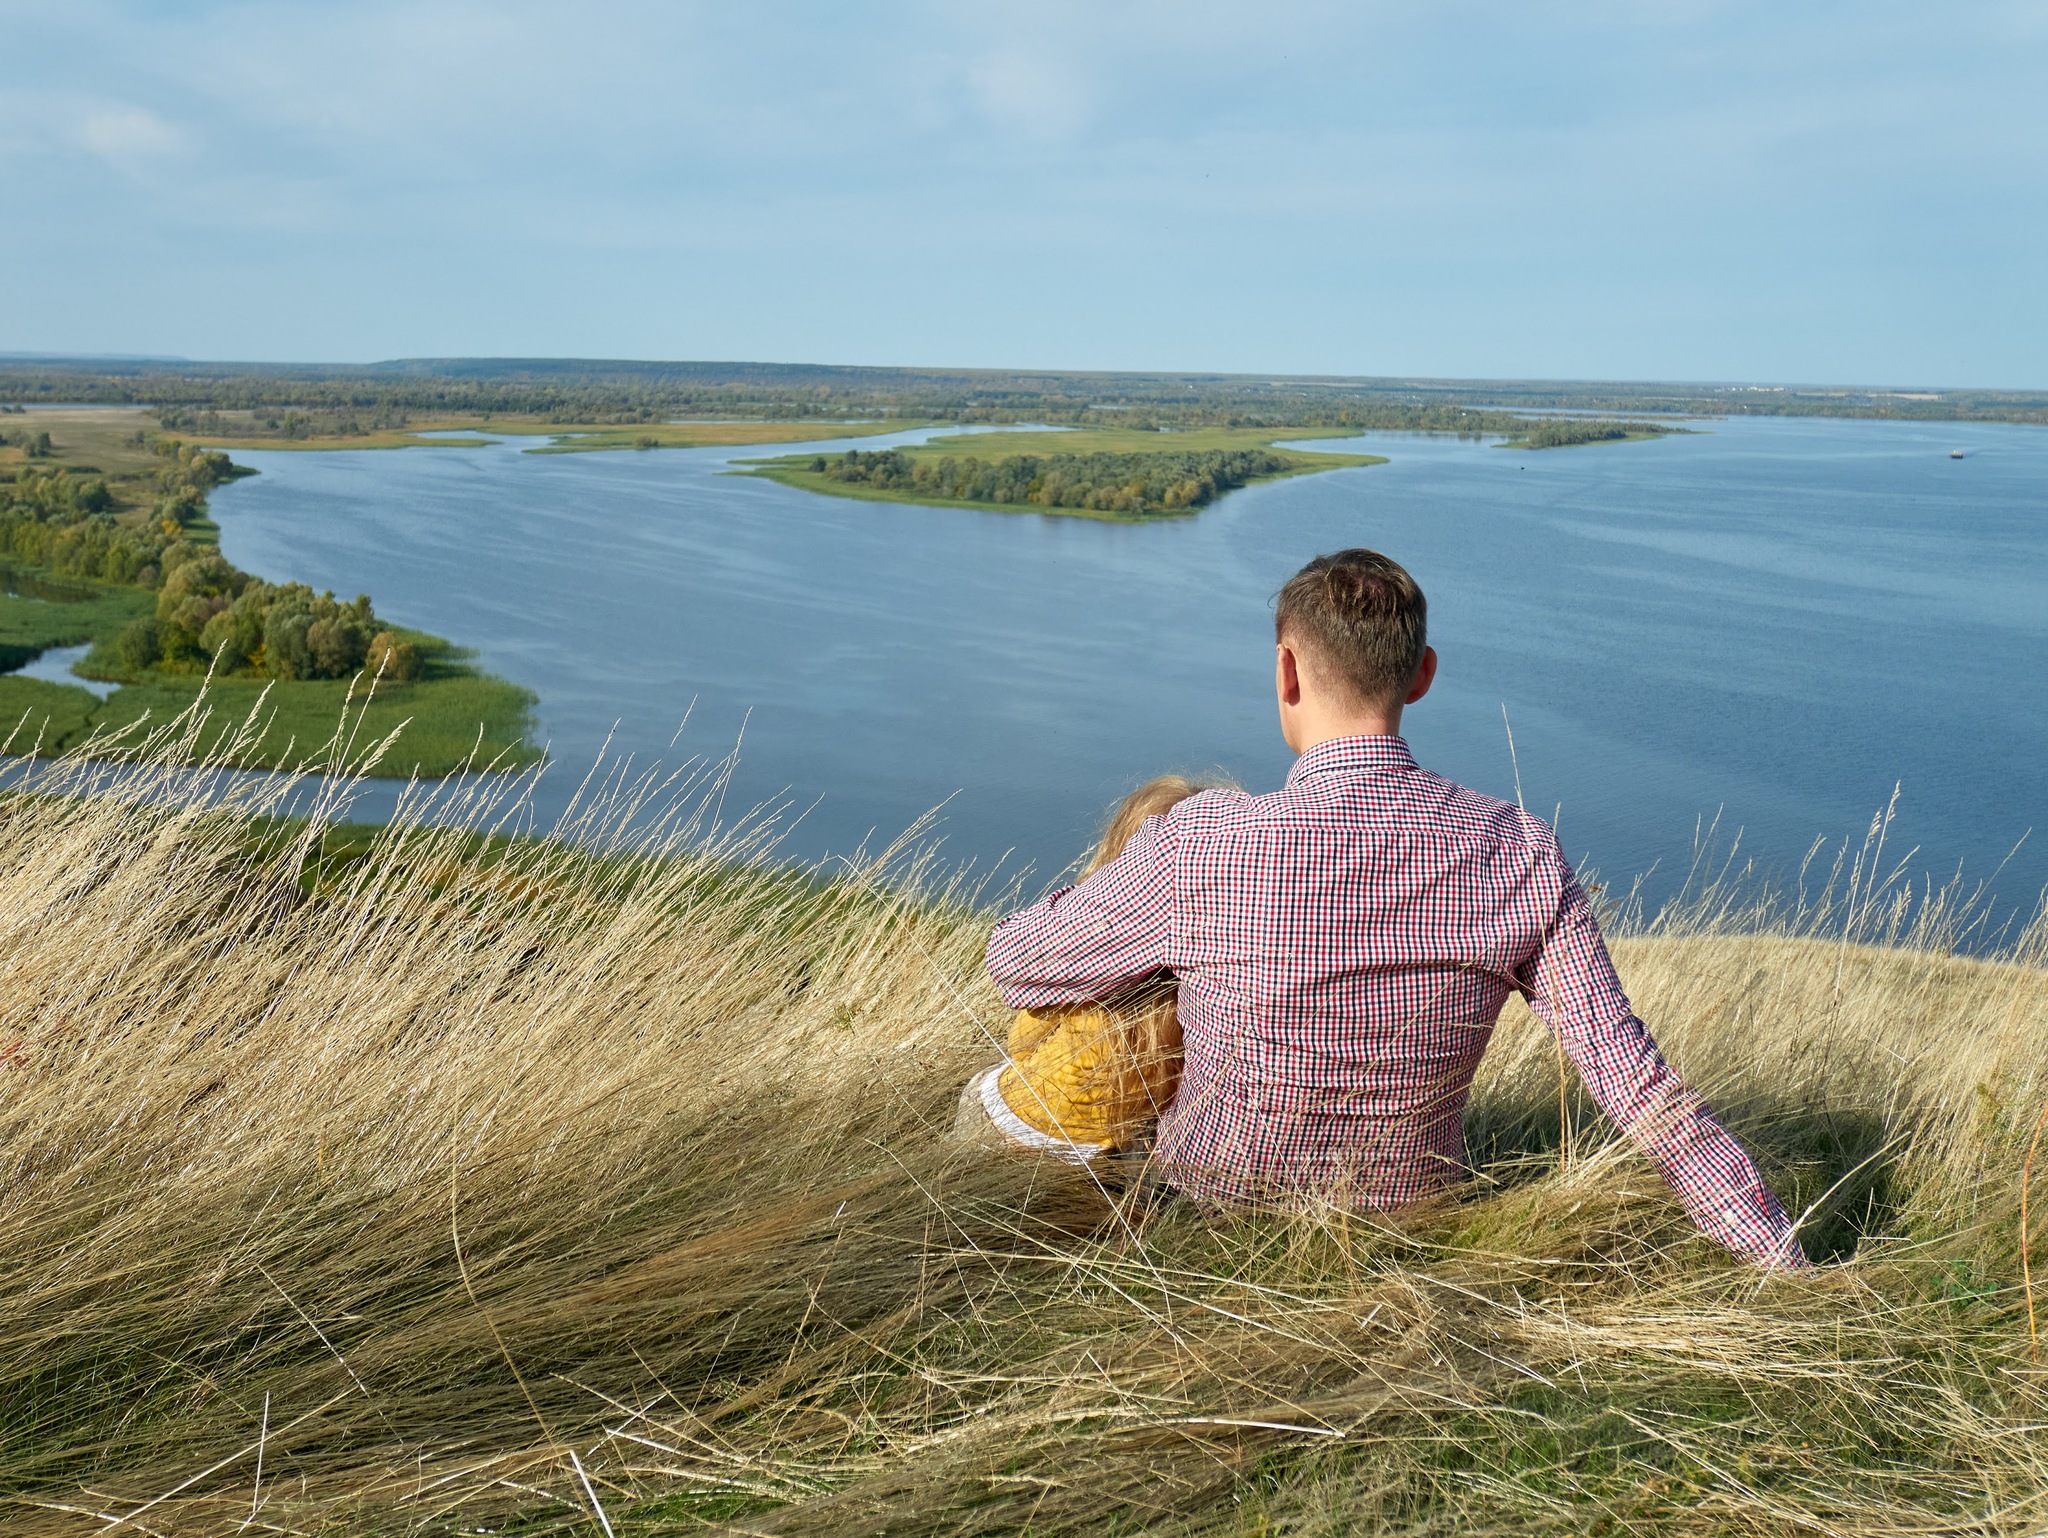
(1775, 620)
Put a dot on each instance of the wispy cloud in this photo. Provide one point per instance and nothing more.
(131, 137)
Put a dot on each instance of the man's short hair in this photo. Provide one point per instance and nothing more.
(1361, 619)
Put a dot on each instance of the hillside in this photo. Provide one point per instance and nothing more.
(400, 1180)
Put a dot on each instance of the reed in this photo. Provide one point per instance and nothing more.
(593, 1182)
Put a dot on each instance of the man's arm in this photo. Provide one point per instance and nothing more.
(1574, 989)
(1083, 943)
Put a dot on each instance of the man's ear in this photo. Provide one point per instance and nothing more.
(1425, 675)
(1287, 675)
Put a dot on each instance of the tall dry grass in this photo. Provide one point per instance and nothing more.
(594, 1183)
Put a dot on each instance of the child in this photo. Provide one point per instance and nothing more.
(1092, 1079)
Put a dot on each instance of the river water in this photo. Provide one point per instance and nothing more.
(1776, 620)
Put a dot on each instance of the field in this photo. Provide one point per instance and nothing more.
(563, 438)
(796, 470)
(393, 1181)
(697, 435)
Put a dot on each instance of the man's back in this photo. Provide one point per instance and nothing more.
(1343, 949)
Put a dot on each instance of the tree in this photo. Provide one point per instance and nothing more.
(391, 659)
(136, 645)
(285, 652)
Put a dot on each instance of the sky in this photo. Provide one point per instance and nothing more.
(1659, 189)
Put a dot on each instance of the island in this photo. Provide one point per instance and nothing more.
(1124, 475)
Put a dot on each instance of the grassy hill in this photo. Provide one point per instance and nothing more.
(380, 1181)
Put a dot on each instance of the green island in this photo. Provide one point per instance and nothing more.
(1568, 433)
(105, 541)
(1116, 474)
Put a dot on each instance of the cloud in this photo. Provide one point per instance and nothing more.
(1077, 181)
(131, 137)
(1031, 94)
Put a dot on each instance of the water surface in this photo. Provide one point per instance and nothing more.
(1774, 619)
(54, 665)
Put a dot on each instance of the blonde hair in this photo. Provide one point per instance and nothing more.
(1144, 1022)
(1148, 800)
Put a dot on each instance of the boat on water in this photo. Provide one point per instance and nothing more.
(1955, 453)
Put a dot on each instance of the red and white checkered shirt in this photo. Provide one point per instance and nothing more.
(1343, 949)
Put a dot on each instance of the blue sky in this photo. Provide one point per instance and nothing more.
(1688, 189)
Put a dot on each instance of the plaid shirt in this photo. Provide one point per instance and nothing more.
(1343, 949)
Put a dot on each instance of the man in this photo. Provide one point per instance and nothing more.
(1344, 946)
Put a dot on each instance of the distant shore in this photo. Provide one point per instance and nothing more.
(569, 438)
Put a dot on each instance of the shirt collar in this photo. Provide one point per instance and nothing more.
(1353, 755)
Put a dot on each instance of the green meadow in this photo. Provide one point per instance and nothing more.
(453, 717)
(31, 621)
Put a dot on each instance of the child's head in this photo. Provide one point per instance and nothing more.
(1148, 800)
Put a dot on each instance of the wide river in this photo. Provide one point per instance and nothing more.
(1775, 620)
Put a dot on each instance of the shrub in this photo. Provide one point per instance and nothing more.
(136, 645)
(337, 647)
(391, 659)
(221, 640)
(285, 652)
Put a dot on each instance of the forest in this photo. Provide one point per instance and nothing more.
(208, 614)
(62, 518)
(1128, 484)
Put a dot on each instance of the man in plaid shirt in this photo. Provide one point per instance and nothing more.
(1343, 948)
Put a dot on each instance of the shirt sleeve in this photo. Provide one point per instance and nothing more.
(1083, 943)
(1573, 988)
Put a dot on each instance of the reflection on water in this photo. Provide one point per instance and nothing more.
(54, 667)
(16, 583)
(1777, 617)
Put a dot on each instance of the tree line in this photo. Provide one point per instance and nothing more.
(308, 400)
(1134, 485)
(294, 403)
(208, 613)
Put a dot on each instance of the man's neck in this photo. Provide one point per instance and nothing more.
(1328, 729)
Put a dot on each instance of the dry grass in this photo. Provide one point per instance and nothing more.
(593, 1183)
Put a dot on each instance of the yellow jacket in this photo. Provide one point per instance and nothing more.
(1092, 1075)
